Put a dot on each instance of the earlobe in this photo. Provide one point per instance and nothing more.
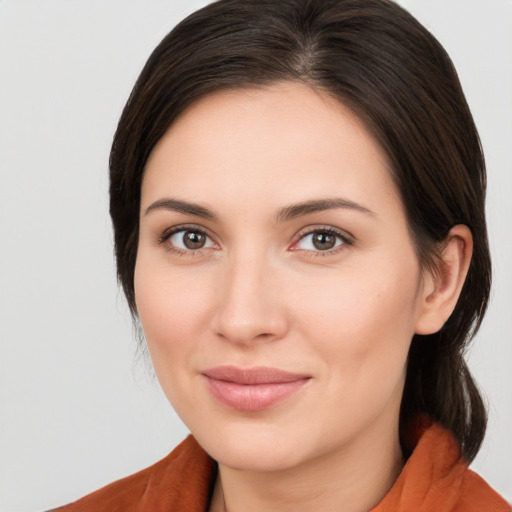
(443, 286)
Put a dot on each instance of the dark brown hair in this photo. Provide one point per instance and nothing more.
(374, 57)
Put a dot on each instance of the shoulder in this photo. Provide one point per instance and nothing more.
(181, 479)
(478, 496)
(437, 478)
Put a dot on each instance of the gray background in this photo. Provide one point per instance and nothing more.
(77, 408)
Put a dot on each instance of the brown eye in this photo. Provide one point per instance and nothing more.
(193, 240)
(321, 240)
(188, 240)
(324, 241)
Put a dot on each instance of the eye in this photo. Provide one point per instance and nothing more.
(182, 240)
(325, 240)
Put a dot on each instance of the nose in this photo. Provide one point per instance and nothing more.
(250, 305)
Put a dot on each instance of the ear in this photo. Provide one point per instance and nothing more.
(442, 286)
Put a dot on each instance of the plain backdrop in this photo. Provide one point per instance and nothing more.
(78, 409)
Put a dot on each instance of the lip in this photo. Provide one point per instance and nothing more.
(252, 389)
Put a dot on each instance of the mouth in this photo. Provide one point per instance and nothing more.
(252, 389)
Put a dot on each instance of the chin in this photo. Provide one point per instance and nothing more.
(258, 448)
(255, 457)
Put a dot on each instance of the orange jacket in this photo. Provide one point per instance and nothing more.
(434, 479)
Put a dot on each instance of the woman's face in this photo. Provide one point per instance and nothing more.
(276, 279)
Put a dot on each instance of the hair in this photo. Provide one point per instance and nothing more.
(379, 61)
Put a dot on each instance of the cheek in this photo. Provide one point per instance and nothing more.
(361, 328)
(173, 309)
(364, 320)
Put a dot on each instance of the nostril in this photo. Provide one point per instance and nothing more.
(250, 329)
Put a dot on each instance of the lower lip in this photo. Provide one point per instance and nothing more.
(252, 397)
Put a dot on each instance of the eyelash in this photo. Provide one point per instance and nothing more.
(346, 240)
(168, 233)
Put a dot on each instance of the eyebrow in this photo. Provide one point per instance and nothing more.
(284, 214)
(181, 207)
(318, 205)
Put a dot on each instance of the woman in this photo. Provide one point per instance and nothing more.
(297, 193)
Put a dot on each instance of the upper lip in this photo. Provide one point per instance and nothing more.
(254, 375)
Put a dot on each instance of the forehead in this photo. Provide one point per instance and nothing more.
(282, 143)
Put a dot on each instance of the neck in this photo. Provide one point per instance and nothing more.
(353, 479)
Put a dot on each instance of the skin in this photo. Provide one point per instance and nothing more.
(260, 293)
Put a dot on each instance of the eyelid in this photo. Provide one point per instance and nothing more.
(169, 232)
(347, 239)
